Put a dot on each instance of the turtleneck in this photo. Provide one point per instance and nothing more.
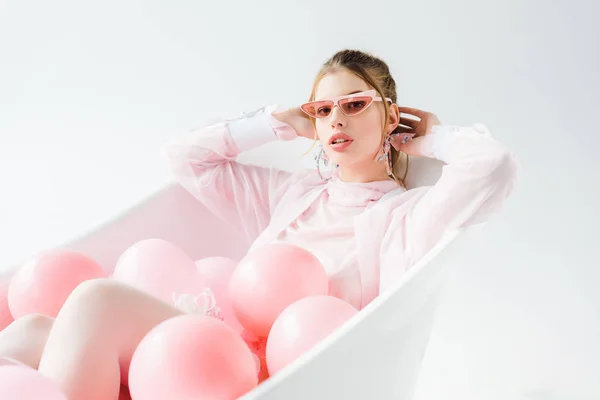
(326, 229)
(356, 194)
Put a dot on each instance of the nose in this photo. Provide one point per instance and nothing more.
(337, 117)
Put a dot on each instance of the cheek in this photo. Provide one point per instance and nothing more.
(371, 143)
(321, 127)
(371, 137)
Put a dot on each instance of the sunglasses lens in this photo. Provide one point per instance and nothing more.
(318, 109)
(355, 105)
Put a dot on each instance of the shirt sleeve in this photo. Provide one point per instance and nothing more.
(478, 176)
(203, 161)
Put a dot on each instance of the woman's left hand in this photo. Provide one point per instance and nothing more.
(417, 128)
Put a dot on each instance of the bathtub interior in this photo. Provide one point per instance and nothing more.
(378, 353)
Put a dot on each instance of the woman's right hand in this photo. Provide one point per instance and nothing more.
(298, 120)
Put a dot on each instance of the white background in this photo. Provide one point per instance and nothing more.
(89, 91)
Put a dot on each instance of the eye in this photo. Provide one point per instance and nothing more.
(323, 111)
(356, 105)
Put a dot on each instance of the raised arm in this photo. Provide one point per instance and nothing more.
(478, 176)
(204, 162)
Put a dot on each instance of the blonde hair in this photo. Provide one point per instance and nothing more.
(376, 73)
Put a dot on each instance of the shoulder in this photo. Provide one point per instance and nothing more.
(309, 178)
(300, 183)
(396, 203)
(402, 196)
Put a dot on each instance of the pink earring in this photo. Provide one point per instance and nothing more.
(321, 155)
(386, 154)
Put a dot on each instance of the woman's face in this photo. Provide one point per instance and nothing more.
(363, 130)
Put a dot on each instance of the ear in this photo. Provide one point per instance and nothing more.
(394, 119)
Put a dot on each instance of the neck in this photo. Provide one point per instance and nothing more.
(367, 171)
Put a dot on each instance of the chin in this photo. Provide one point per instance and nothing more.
(345, 162)
(340, 160)
(348, 158)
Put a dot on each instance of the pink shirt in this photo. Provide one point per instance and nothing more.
(326, 229)
(365, 234)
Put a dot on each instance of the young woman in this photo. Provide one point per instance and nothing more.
(360, 220)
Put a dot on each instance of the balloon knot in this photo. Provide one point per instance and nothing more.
(190, 304)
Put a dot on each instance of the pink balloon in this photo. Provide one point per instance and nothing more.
(269, 279)
(302, 325)
(11, 361)
(191, 357)
(6, 317)
(45, 281)
(160, 268)
(215, 273)
(25, 383)
(258, 347)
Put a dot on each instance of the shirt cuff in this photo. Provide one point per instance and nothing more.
(282, 130)
(259, 127)
(251, 130)
(438, 143)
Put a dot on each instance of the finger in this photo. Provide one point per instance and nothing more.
(402, 129)
(399, 139)
(414, 111)
(412, 147)
(412, 123)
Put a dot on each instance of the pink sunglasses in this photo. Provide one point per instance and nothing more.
(350, 105)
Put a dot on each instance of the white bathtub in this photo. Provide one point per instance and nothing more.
(376, 355)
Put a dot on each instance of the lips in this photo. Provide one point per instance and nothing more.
(339, 138)
(340, 142)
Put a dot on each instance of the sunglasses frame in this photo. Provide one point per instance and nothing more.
(336, 102)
